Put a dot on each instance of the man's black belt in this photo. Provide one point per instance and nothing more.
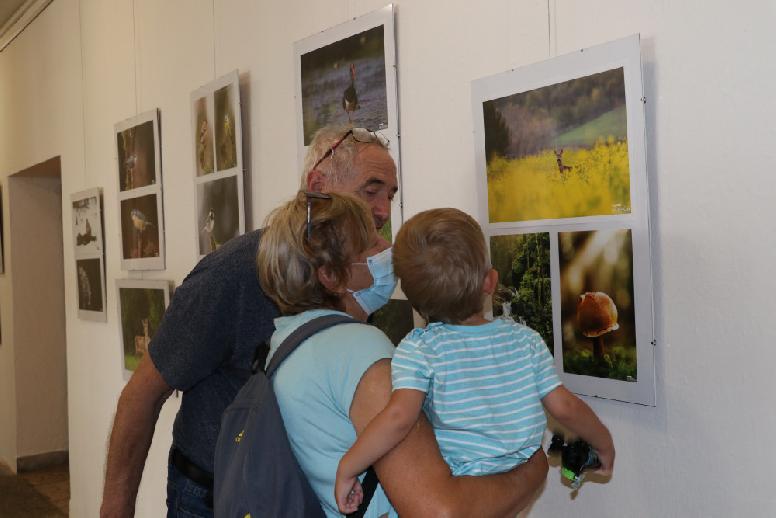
(191, 470)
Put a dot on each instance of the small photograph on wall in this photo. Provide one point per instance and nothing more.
(87, 222)
(219, 213)
(395, 319)
(140, 192)
(141, 235)
(524, 292)
(141, 305)
(226, 127)
(137, 153)
(559, 151)
(346, 76)
(90, 279)
(203, 136)
(597, 313)
(344, 83)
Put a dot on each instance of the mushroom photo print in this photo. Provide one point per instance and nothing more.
(597, 308)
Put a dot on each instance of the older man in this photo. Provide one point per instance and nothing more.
(206, 342)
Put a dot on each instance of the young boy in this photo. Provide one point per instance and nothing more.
(481, 383)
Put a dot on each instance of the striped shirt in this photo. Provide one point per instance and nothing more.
(484, 386)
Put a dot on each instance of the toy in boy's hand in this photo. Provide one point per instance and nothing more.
(575, 457)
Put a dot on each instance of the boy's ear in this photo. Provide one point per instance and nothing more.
(330, 281)
(491, 282)
(316, 181)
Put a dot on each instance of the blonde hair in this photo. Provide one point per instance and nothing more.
(341, 228)
(338, 167)
(440, 257)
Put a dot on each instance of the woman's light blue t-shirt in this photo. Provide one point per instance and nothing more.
(315, 387)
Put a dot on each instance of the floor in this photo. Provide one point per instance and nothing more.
(43, 493)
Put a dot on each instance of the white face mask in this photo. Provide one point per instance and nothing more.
(379, 293)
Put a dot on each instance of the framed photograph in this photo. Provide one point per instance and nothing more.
(347, 75)
(217, 143)
(141, 306)
(89, 252)
(564, 199)
(140, 192)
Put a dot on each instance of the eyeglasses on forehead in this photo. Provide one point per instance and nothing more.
(310, 197)
(363, 135)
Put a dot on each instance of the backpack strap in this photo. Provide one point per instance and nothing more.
(289, 345)
(302, 333)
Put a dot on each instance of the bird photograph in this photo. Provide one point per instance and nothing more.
(344, 82)
(139, 228)
(218, 213)
(226, 142)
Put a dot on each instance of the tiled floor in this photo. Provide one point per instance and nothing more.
(43, 492)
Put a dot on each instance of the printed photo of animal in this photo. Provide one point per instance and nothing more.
(226, 128)
(140, 227)
(344, 83)
(136, 156)
(218, 209)
(89, 285)
(203, 137)
(559, 151)
(141, 312)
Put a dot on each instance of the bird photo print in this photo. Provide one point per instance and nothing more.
(140, 227)
(219, 219)
(344, 82)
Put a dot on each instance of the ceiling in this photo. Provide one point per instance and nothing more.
(8, 8)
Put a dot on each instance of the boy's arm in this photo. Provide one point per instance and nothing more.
(384, 432)
(418, 481)
(579, 418)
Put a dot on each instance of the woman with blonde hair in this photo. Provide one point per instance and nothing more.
(320, 254)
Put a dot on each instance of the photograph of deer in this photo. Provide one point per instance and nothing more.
(560, 151)
(141, 306)
(597, 313)
(344, 82)
(524, 292)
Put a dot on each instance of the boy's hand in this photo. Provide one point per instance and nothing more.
(606, 457)
(348, 494)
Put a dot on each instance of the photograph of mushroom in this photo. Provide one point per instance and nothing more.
(141, 306)
(597, 304)
(140, 227)
(219, 219)
(559, 151)
(524, 292)
(226, 127)
(344, 83)
(203, 136)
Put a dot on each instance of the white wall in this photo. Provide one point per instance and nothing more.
(708, 72)
(35, 206)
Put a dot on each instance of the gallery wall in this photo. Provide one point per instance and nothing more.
(84, 65)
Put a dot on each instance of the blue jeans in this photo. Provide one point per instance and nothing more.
(185, 498)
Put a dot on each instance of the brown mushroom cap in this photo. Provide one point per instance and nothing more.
(596, 314)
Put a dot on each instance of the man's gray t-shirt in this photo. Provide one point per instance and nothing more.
(207, 340)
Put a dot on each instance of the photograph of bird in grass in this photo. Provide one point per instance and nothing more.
(344, 83)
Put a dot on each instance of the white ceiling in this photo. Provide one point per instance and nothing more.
(8, 8)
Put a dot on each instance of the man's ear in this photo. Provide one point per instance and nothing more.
(316, 181)
(330, 281)
(491, 282)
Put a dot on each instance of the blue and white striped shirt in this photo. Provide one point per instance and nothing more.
(484, 386)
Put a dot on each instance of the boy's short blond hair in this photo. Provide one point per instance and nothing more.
(341, 228)
(440, 257)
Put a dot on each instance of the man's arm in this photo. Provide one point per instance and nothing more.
(133, 428)
(579, 418)
(417, 479)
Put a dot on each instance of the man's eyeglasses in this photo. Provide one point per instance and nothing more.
(362, 135)
(310, 197)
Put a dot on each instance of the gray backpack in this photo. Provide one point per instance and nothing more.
(256, 473)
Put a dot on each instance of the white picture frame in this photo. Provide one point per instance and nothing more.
(141, 210)
(533, 147)
(216, 122)
(89, 253)
(141, 305)
(326, 58)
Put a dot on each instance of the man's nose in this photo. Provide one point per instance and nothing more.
(381, 210)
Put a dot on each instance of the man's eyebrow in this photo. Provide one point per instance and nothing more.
(378, 182)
